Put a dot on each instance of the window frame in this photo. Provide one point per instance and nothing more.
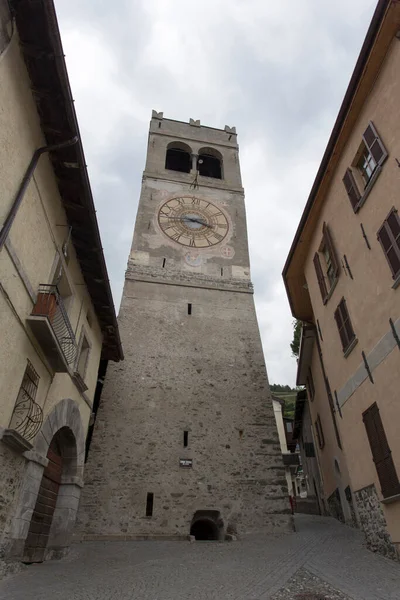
(88, 347)
(371, 147)
(326, 283)
(395, 242)
(345, 326)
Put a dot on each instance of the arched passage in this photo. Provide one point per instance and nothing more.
(61, 457)
(62, 435)
(204, 529)
(207, 525)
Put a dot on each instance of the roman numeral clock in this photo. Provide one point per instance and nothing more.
(193, 222)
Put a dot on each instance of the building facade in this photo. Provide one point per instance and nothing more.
(185, 439)
(304, 435)
(56, 312)
(342, 277)
(289, 455)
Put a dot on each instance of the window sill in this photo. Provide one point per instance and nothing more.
(350, 348)
(368, 188)
(332, 289)
(391, 499)
(396, 282)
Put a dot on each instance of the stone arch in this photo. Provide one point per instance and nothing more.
(178, 157)
(207, 525)
(210, 163)
(64, 425)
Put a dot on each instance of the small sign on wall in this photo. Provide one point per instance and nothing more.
(186, 463)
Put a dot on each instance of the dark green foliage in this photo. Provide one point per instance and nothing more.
(295, 344)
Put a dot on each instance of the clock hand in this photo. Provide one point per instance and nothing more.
(191, 220)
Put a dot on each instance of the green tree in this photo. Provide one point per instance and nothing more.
(295, 344)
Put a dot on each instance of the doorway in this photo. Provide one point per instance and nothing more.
(61, 453)
(207, 525)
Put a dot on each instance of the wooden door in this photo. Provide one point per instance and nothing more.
(39, 529)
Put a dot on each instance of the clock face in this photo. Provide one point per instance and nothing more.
(193, 222)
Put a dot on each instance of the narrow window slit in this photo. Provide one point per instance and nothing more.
(222, 272)
(149, 504)
(163, 262)
(185, 439)
(189, 308)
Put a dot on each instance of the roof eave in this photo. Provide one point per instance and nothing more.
(375, 25)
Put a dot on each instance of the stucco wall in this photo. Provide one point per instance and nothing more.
(370, 298)
(27, 260)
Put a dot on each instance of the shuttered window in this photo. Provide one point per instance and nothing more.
(332, 264)
(319, 432)
(309, 449)
(374, 144)
(320, 277)
(389, 237)
(381, 453)
(351, 189)
(372, 155)
(310, 385)
(344, 325)
(327, 271)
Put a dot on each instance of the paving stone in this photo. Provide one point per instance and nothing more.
(306, 586)
(256, 567)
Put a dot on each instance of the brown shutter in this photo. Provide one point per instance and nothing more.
(339, 323)
(389, 237)
(351, 189)
(381, 453)
(320, 277)
(374, 144)
(319, 432)
(331, 249)
(344, 325)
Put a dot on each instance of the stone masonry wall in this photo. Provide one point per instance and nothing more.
(373, 522)
(204, 374)
(12, 467)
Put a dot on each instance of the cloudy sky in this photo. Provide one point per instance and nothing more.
(276, 70)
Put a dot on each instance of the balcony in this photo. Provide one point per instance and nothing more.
(50, 325)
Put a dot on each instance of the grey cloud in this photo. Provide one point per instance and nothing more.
(276, 71)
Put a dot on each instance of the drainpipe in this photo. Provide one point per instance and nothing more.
(25, 182)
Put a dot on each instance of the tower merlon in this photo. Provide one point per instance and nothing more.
(193, 130)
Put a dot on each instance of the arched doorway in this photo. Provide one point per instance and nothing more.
(61, 456)
(207, 525)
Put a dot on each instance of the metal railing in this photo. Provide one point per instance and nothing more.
(49, 303)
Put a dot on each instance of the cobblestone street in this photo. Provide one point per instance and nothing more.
(254, 568)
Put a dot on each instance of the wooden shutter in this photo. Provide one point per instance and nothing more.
(310, 384)
(331, 249)
(351, 189)
(344, 325)
(389, 237)
(309, 449)
(374, 144)
(320, 277)
(320, 433)
(381, 453)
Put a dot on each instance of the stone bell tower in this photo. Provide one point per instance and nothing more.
(185, 439)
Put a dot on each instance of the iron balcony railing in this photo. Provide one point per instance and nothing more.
(27, 417)
(49, 303)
